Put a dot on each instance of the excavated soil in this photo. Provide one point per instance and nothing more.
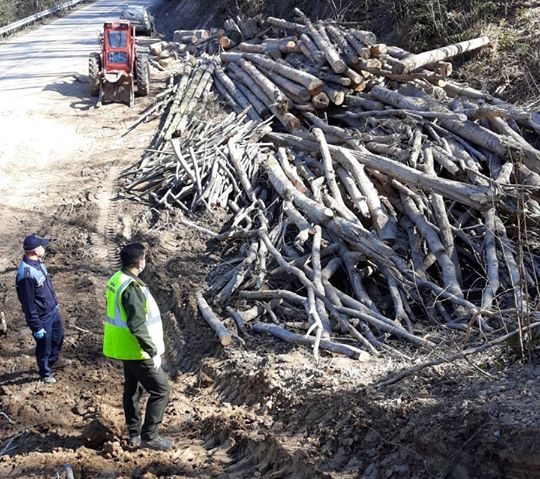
(262, 409)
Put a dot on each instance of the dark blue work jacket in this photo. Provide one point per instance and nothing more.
(35, 292)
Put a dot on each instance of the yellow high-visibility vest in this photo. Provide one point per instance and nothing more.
(118, 342)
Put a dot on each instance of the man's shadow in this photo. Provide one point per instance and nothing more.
(18, 378)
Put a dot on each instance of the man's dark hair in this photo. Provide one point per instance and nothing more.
(130, 254)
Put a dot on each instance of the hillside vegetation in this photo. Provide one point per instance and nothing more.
(13, 10)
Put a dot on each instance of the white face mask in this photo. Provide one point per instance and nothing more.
(142, 265)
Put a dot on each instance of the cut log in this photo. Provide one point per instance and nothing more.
(339, 39)
(362, 51)
(254, 97)
(320, 101)
(282, 24)
(365, 103)
(333, 58)
(310, 50)
(252, 48)
(237, 95)
(454, 89)
(230, 40)
(192, 34)
(356, 79)
(213, 321)
(378, 49)
(273, 97)
(313, 84)
(288, 86)
(416, 61)
(229, 98)
(367, 38)
(444, 69)
(336, 95)
(323, 75)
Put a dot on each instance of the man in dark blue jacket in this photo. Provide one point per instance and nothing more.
(40, 306)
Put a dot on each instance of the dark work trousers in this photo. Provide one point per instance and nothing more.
(48, 348)
(139, 376)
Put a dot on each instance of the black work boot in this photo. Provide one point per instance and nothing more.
(158, 443)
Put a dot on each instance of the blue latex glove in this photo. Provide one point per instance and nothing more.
(40, 334)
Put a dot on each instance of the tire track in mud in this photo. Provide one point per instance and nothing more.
(106, 246)
(10, 234)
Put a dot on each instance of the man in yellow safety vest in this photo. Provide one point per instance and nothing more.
(134, 335)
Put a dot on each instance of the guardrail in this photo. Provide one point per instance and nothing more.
(12, 27)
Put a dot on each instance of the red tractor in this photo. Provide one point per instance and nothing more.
(113, 73)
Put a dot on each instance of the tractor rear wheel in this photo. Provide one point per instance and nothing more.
(94, 67)
(142, 75)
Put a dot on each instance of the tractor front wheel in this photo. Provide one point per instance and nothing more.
(142, 75)
(94, 67)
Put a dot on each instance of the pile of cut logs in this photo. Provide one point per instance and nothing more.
(394, 198)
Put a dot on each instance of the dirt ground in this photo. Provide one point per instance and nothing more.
(259, 410)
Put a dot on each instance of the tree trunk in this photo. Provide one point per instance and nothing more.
(416, 61)
(213, 321)
(333, 58)
(313, 84)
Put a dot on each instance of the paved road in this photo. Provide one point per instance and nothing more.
(31, 62)
(49, 131)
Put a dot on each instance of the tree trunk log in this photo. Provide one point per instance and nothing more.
(237, 95)
(361, 50)
(416, 61)
(367, 38)
(333, 58)
(254, 98)
(285, 25)
(313, 84)
(348, 51)
(310, 50)
(213, 321)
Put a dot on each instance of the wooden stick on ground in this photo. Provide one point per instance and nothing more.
(281, 333)
(453, 357)
(210, 317)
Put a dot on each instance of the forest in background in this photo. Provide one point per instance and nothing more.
(13, 10)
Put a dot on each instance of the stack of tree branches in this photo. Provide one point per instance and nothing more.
(311, 67)
(411, 201)
(347, 241)
(204, 168)
(194, 164)
(288, 68)
(423, 189)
